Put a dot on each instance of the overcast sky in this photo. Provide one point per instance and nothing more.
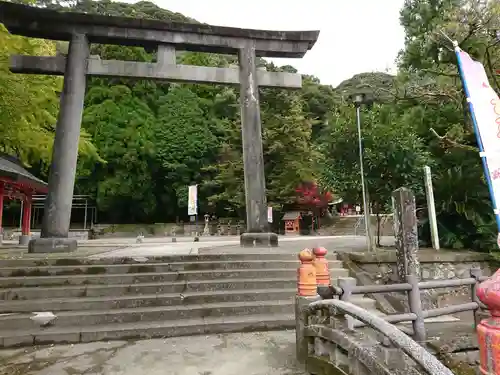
(355, 35)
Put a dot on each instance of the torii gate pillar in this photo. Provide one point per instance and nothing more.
(57, 213)
(82, 29)
(258, 232)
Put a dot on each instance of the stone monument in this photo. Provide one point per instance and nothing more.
(81, 30)
(206, 229)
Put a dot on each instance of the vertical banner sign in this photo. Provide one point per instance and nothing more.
(193, 200)
(484, 106)
(269, 214)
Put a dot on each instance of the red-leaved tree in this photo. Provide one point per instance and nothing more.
(312, 198)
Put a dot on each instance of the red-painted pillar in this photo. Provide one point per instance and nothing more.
(1, 209)
(26, 216)
(488, 331)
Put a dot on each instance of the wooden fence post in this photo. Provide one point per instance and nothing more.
(405, 230)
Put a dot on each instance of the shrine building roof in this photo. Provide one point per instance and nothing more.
(11, 168)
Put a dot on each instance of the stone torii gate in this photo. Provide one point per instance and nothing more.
(166, 37)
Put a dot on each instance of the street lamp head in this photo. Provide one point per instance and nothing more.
(358, 99)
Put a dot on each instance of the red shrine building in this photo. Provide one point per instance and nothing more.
(17, 183)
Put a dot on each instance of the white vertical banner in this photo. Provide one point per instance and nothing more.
(431, 208)
(484, 106)
(193, 200)
(269, 214)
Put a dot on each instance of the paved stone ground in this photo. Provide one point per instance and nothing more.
(232, 244)
(295, 244)
(127, 247)
(260, 353)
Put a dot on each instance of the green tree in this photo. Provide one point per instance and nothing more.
(289, 154)
(393, 156)
(430, 95)
(122, 127)
(186, 141)
(29, 105)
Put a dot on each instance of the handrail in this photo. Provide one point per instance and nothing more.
(405, 287)
(400, 340)
(416, 315)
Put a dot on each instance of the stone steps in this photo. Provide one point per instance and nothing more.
(158, 329)
(154, 313)
(207, 257)
(166, 277)
(150, 268)
(179, 300)
(177, 287)
(146, 300)
(119, 298)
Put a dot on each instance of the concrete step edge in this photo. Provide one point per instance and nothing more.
(290, 291)
(143, 310)
(159, 264)
(65, 277)
(159, 283)
(7, 306)
(116, 331)
(279, 255)
(174, 265)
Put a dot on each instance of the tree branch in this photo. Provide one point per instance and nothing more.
(491, 70)
(450, 142)
(453, 75)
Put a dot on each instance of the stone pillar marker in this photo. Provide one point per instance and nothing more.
(405, 230)
(253, 156)
(57, 212)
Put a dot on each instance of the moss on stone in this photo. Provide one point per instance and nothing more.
(68, 262)
(24, 273)
(460, 368)
(95, 270)
(141, 269)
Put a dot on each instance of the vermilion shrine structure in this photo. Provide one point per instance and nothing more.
(81, 30)
(17, 183)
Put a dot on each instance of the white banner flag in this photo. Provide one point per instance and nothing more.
(485, 109)
(269, 214)
(193, 200)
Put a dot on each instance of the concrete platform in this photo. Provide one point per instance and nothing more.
(260, 353)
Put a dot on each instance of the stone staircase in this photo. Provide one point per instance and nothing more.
(120, 298)
(355, 225)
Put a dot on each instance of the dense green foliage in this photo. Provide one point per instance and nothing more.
(421, 117)
(144, 142)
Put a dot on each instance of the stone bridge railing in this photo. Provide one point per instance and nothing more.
(336, 336)
(332, 347)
